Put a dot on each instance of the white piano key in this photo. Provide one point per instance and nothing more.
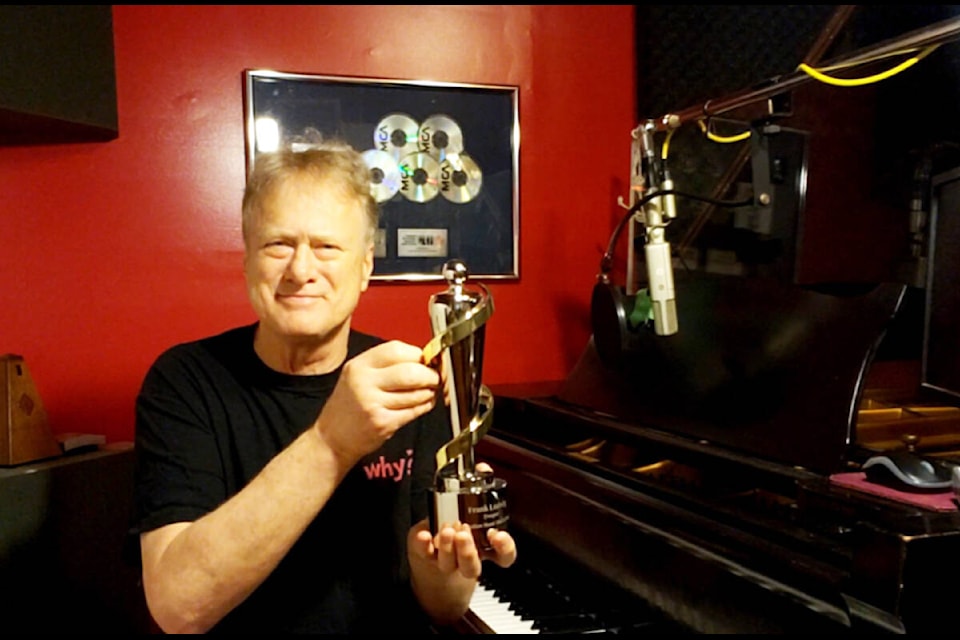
(497, 614)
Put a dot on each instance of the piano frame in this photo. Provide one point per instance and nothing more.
(751, 547)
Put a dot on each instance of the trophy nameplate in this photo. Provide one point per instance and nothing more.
(461, 493)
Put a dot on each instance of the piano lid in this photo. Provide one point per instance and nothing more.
(764, 368)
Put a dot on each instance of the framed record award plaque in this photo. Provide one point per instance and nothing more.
(443, 160)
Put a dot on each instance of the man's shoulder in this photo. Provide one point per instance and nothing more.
(226, 344)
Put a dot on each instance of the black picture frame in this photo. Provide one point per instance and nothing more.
(445, 158)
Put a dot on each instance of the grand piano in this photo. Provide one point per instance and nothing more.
(712, 481)
(697, 487)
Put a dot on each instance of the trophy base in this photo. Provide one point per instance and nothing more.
(479, 501)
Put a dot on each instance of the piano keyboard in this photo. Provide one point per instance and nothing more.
(557, 598)
(491, 614)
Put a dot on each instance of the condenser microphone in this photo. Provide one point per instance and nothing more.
(660, 277)
(660, 269)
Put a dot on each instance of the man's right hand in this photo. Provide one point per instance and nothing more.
(379, 391)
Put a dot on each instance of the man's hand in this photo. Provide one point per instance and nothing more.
(378, 392)
(445, 566)
(454, 550)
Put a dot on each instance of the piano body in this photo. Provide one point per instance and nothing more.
(711, 481)
(692, 486)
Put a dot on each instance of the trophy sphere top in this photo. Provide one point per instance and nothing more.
(455, 272)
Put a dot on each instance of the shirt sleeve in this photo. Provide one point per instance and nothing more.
(178, 475)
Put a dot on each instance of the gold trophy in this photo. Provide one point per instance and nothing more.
(460, 492)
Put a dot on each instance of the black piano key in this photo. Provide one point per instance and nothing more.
(570, 623)
(528, 595)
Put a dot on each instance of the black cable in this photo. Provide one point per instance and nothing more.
(607, 260)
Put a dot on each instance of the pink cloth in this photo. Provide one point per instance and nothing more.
(939, 501)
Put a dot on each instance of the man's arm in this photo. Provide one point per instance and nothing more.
(195, 573)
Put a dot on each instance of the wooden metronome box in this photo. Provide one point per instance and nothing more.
(25, 435)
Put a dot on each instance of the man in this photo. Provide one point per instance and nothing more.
(283, 466)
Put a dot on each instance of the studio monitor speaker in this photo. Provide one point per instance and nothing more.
(26, 435)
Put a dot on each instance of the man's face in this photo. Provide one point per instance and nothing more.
(308, 259)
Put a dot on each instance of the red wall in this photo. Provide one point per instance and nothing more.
(110, 252)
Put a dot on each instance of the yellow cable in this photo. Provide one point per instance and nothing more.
(877, 58)
(840, 82)
(856, 82)
(728, 139)
(722, 139)
(664, 150)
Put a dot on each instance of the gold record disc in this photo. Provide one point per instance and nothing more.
(440, 136)
(384, 174)
(460, 178)
(419, 177)
(397, 134)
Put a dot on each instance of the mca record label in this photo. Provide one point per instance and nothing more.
(440, 136)
(419, 177)
(397, 134)
(460, 178)
(421, 243)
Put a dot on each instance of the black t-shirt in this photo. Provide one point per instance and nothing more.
(211, 414)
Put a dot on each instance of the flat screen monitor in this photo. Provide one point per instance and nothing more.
(940, 364)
